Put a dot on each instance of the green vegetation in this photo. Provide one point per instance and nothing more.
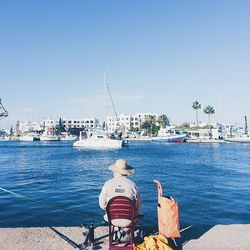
(184, 126)
(152, 126)
(163, 121)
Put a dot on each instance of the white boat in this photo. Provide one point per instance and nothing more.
(204, 136)
(97, 139)
(29, 137)
(5, 138)
(100, 139)
(239, 139)
(49, 137)
(67, 137)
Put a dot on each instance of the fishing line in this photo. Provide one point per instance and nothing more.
(44, 203)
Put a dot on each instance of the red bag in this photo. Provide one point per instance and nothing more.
(168, 214)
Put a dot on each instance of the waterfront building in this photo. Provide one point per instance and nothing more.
(121, 122)
(127, 122)
(89, 123)
(27, 126)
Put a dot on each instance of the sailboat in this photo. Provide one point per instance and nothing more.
(99, 139)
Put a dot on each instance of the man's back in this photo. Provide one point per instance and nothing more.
(118, 186)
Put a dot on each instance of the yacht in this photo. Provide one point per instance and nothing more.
(97, 139)
(100, 139)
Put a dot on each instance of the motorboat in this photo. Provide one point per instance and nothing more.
(30, 137)
(98, 139)
(64, 136)
(239, 139)
(46, 136)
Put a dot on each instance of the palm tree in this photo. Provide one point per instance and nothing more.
(196, 106)
(209, 110)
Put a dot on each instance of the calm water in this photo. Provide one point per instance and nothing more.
(210, 182)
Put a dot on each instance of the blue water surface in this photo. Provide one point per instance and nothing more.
(211, 182)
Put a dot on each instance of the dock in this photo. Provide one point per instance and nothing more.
(216, 237)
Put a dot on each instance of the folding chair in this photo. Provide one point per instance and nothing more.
(120, 207)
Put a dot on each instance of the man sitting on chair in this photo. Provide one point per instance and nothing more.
(120, 185)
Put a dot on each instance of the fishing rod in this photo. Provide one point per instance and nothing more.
(47, 204)
(89, 235)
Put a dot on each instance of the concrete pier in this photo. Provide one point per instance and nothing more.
(68, 238)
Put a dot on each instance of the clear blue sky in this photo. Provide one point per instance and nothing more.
(160, 56)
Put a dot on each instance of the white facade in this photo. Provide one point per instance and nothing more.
(51, 123)
(81, 123)
(120, 122)
(29, 126)
(126, 122)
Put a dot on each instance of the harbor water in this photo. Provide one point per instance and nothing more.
(211, 182)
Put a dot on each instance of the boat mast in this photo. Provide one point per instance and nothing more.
(106, 104)
(246, 127)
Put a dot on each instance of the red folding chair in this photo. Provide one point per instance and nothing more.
(120, 207)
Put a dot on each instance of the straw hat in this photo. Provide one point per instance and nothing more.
(121, 167)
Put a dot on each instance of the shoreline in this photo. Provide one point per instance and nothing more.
(234, 236)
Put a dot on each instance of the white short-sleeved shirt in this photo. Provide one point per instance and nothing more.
(119, 186)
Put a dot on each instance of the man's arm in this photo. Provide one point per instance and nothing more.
(138, 202)
(102, 198)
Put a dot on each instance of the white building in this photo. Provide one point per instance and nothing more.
(49, 123)
(126, 122)
(28, 126)
(120, 122)
(81, 123)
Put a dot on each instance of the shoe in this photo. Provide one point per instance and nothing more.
(117, 235)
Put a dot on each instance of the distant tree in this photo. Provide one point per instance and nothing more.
(155, 130)
(103, 125)
(196, 106)
(147, 126)
(59, 127)
(11, 130)
(163, 121)
(209, 110)
(150, 125)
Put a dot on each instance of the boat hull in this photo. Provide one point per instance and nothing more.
(99, 144)
(49, 138)
(174, 138)
(238, 140)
